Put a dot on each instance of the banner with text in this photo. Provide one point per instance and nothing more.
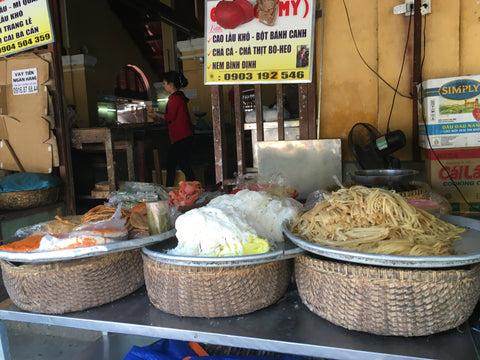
(262, 41)
(24, 24)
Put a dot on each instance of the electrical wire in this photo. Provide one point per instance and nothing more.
(363, 59)
(472, 206)
(437, 158)
(400, 75)
(424, 46)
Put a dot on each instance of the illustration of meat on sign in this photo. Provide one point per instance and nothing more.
(267, 11)
(230, 14)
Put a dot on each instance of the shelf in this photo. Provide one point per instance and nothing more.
(14, 214)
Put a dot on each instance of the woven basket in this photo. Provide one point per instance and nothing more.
(73, 285)
(388, 301)
(200, 291)
(16, 200)
(422, 191)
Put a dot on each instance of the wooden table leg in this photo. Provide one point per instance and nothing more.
(130, 161)
(112, 184)
(158, 169)
(140, 151)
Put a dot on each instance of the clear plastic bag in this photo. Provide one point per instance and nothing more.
(114, 225)
(158, 213)
(444, 205)
(129, 199)
(89, 234)
(134, 193)
(274, 184)
(313, 198)
(142, 187)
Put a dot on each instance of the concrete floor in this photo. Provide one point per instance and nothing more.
(44, 342)
(29, 341)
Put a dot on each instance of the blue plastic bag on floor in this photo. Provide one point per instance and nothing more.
(161, 350)
(182, 350)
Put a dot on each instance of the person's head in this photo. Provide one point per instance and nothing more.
(173, 81)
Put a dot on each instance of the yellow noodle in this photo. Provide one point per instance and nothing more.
(376, 221)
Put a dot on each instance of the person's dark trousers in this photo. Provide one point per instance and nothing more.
(180, 154)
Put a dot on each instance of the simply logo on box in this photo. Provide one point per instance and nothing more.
(450, 108)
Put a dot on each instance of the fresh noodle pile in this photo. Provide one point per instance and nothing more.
(373, 220)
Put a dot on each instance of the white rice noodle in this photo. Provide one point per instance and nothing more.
(262, 211)
(210, 231)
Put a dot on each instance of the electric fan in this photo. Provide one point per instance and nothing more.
(372, 150)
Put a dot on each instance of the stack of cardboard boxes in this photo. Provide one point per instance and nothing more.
(449, 130)
(26, 114)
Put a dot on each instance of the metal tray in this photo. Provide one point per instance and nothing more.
(382, 176)
(83, 252)
(468, 248)
(159, 253)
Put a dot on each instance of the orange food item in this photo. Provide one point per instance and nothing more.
(138, 207)
(187, 194)
(25, 245)
(78, 241)
(85, 241)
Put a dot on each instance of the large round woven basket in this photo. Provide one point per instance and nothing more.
(201, 291)
(420, 190)
(73, 285)
(387, 301)
(28, 199)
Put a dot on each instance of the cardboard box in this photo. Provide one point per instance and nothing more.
(26, 112)
(463, 165)
(449, 112)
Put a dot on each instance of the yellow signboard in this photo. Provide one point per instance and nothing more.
(24, 24)
(270, 42)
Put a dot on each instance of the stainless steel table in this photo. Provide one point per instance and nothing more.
(286, 327)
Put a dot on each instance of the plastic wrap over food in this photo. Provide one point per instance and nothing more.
(73, 240)
(88, 234)
(129, 199)
(105, 246)
(134, 193)
(136, 186)
(264, 212)
(275, 184)
(313, 198)
(26, 231)
(211, 231)
(158, 214)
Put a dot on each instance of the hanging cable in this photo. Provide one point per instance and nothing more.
(424, 47)
(363, 59)
(399, 75)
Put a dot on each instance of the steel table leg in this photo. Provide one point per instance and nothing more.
(4, 345)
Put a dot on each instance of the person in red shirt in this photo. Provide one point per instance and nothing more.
(180, 127)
